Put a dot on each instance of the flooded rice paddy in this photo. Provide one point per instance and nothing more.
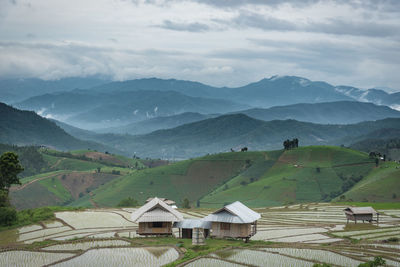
(296, 235)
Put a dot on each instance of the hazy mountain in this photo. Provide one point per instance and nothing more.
(27, 128)
(342, 112)
(189, 88)
(376, 96)
(268, 92)
(13, 90)
(236, 131)
(93, 109)
(265, 93)
(158, 123)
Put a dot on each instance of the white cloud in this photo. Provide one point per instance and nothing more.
(216, 42)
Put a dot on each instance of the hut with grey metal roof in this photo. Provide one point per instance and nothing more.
(234, 220)
(186, 227)
(156, 218)
(361, 214)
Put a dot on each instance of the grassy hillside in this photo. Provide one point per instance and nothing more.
(70, 176)
(259, 178)
(382, 184)
(306, 174)
(190, 179)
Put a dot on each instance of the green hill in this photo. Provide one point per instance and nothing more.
(65, 177)
(259, 178)
(307, 174)
(382, 184)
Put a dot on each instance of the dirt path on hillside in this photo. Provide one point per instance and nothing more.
(57, 162)
(93, 203)
(17, 188)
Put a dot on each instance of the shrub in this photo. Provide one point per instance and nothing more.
(378, 261)
(8, 216)
(128, 202)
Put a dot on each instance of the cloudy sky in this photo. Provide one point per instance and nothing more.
(218, 42)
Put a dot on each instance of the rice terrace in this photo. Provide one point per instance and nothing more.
(294, 229)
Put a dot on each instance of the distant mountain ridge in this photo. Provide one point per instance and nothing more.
(341, 112)
(20, 127)
(158, 123)
(14, 90)
(87, 107)
(235, 131)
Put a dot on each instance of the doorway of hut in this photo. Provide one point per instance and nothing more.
(188, 233)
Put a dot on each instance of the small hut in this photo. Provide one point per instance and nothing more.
(234, 220)
(361, 214)
(186, 227)
(156, 218)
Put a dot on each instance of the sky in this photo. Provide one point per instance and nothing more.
(221, 43)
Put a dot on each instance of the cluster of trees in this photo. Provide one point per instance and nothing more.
(29, 157)
(289, 144)
(9, 170)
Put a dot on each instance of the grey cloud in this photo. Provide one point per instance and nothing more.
(335, 26)
(189, 27)
(362, 28)
(236, 3)
(249, 19)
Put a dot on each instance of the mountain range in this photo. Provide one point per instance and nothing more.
(235, 131)
(15, 90)
(88, 108)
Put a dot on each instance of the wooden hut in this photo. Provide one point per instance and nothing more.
(156, 218)
(361, 214)
(186, 227)
(234, 220)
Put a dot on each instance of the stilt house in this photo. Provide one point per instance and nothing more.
(234, 220)
(156, 218)
(361, 214)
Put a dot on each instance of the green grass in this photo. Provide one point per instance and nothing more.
(293, 177)
(256, 178)
(190, 179)
(382, 184)
(42, 175)
(32, 216)
(54, 186)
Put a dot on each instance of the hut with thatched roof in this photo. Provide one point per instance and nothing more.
(156, 218)
(234, 220)
(361, 214)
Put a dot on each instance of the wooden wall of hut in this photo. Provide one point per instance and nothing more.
(155, 228)
(234, 230)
